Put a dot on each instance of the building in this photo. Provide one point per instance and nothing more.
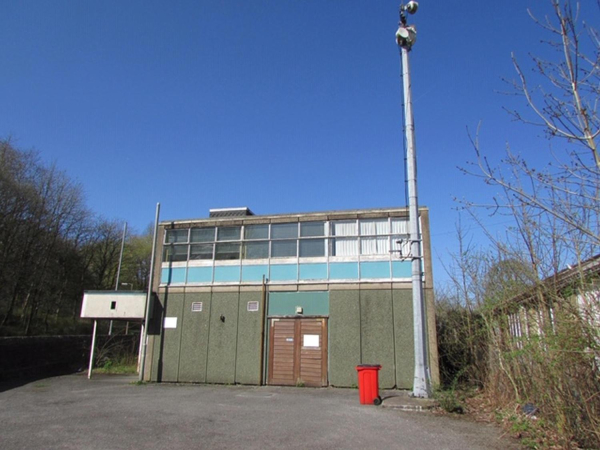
(571, 292)
(287, 299)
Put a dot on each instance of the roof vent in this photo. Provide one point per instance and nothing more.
(230, 212)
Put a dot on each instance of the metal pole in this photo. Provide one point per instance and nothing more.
(421, 383)
(92, 350)
(144, 333)
(119, 270)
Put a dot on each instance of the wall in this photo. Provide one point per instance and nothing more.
(371, 326)
(366, 326)
(220, 344)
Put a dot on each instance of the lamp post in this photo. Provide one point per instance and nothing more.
(110, 328)
(405, 37)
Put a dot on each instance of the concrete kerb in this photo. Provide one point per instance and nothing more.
(403, 401)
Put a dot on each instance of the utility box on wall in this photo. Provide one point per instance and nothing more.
(113, 305)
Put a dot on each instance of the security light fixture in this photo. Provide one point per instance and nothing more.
(406, 35)
(411, 7)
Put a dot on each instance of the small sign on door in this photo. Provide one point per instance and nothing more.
(311, 340)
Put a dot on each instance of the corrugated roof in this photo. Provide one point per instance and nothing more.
(230, 212)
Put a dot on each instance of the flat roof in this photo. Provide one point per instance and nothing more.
(348, 214)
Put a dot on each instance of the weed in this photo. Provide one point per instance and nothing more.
(449, 401)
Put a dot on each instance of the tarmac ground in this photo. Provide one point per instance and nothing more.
(114, 412)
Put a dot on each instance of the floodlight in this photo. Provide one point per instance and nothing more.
(411, 7)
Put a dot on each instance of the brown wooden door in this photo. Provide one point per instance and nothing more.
(298, 352)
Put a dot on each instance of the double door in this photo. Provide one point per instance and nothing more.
(298, 352)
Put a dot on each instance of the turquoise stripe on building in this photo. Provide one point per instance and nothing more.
(313, 271)
(402, 269)
(173, 275)
(200, 275)
(375, 269)
(379, 270)
(284, 272)
(343, 271)
(224, 274)
(255, 273)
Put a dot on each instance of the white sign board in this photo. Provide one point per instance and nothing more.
(170, 322)
(113, 305)
(311, 340)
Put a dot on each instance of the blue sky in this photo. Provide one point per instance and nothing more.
(281, 106)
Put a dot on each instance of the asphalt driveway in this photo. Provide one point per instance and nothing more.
(112, 412)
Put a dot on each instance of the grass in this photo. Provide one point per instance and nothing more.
(122, 367)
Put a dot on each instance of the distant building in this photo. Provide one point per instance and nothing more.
(287, 299)
(574, 291)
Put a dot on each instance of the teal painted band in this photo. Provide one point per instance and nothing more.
(314, 303)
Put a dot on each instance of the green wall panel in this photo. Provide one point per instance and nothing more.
(344, 337)
(404, 335)
(171, 338)
(222, 338)
(377, 338)
(194, 339)
(247, 367)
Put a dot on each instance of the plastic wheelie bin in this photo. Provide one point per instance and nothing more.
(368, 384)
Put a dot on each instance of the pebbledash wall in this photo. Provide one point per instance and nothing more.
(347, 270)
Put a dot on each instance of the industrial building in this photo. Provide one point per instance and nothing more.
(288, 299)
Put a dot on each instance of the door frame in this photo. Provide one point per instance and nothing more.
(297, 339)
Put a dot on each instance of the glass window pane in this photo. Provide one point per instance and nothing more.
(176, 236)
(256, 250)
(256, 232)
(227, 251)
(201, 251)
(374, 227)
(312, 247)
(282, 249)
(312, 229)
(228, 233)
(375, 246)
(400, 226)
(344, 247)
(344, 228)
(175, 253)
(284, 230)
(203, 234)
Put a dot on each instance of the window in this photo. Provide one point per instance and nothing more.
(312, 248)
(379, 242)
(201, 251)
(256, 250)
(203, 234)
(310, 229)
(176, 236)
(400, 226)
(284, 231)
(256, 232)
(175, 253)
(344, 246)
(283, 249)
(229, 233)
(344, 228)
(227, 251)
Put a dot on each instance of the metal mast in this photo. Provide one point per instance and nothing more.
(405, 37)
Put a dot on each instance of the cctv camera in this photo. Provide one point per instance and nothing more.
(412, 7)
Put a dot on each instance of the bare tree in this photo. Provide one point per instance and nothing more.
(566, 103)
(542, 348)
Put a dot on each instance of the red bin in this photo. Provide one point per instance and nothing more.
(368, 384)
